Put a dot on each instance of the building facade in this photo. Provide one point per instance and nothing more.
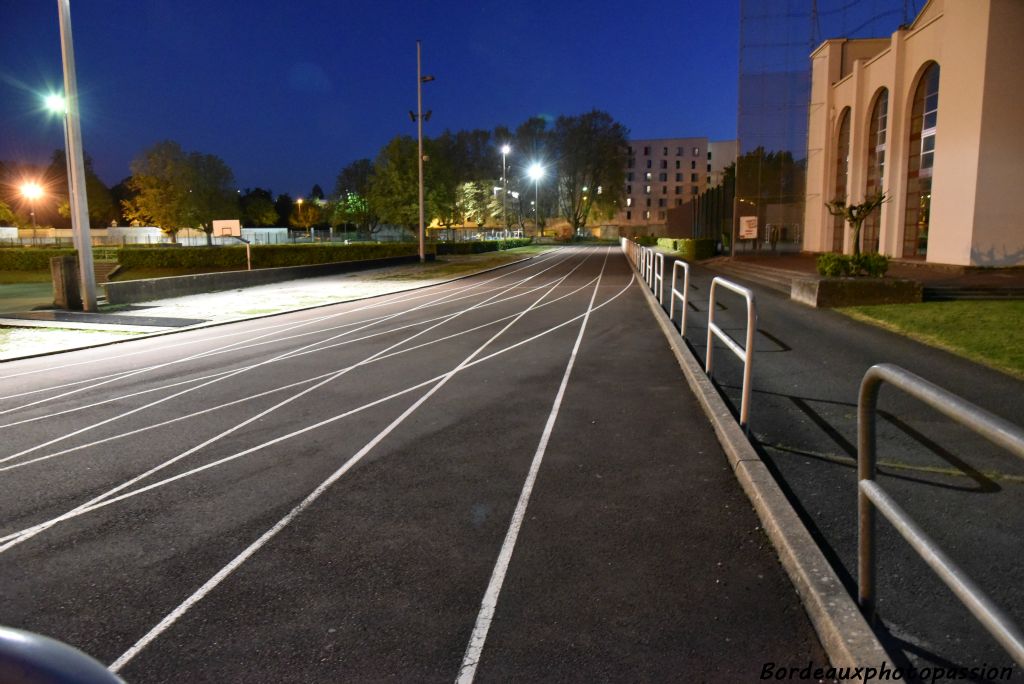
(931, 117)
(660, 174)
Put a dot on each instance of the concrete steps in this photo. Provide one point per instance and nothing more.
(103, 270)
(775, 278)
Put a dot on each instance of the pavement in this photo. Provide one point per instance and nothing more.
(965, 493)
(470, 480)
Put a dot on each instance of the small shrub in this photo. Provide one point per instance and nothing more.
(874, 264)
(263, 256)
(481, 246)
(646, 240)
(30, 258)
(832, 265)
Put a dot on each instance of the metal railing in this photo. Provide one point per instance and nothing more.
(745, 353)
(658, 279)
(683, 296)
(871, 496)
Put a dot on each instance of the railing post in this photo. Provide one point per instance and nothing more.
(866, 461)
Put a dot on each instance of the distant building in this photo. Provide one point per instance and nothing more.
(931, 117)
(665, 173)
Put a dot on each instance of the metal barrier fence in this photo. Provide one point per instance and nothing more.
(871, 496)
(651, 266)
(746, 353)
(683, 296)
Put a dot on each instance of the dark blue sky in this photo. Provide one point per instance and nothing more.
(287, 93)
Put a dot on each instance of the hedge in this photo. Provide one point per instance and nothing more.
(480, 246)
(263, 256)
(25, 259)
(691, 250)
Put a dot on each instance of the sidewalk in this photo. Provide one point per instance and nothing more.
(44, 332)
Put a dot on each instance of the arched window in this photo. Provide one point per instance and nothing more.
(877, 128)
(842, 173)
(923, 119)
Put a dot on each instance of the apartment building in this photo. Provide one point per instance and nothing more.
(664, 173)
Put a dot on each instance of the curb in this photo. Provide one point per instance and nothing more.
(843, 631)
(215, 324)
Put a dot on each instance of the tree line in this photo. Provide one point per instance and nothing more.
(583, 157)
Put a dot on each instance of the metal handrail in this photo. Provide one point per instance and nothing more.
(745, 353)
(870, 496)
(676, 294)
(649, 266)
(659, 277)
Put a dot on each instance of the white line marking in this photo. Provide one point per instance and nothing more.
(27, 533)
(490, 601)
(212, 583)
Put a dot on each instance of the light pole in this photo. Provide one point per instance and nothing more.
(420, 80)
(505, 149)
(536, 172)
(32, 192)
(76, 164)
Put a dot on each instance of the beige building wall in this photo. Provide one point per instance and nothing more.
(684, 163)
(978, 142)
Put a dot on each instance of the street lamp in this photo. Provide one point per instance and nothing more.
(32, 192)
(419, 117)
(505, 149)
(536, 172)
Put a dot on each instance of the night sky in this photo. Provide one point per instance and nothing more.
(287, 93)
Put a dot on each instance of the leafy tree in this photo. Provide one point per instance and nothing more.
(591, 152)
(283, 205)
(6, 215)
(175, 190)
(306, 214)
(352, 205)
(257, 206)
(394, 185)
(855, 214)
(316, 193)
(98, 197)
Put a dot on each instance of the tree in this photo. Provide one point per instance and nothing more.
(316, 193)
(855, 214)
(6, 215)
(175, 190)
(283, 206)
(352, 204)
(393, 188)
(257, 206)
(592, 155)
(98, 197)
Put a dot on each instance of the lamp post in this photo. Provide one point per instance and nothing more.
(32, 192)
(505, 149)
(420, 80)
(78, 202)
(536, 172)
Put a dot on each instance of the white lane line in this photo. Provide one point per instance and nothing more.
(378, 302)
(219, 577)
(217, 407)
(279, 357)
(490, 601)
(92, 503)
(289, 356)
(29, 532)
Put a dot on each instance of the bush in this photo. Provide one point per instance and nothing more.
(834, 265)
(481, 246)
(689, 249)
(30, 258)
(646, 240)
(263, 256)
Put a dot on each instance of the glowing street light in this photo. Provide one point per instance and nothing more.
(32, 192)
(536, 172)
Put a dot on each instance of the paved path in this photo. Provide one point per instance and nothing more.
(967, 495)
(504, 477)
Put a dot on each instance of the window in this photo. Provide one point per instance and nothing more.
(661, 215)
(630, 150)
(664, 189)
(661, 202)
(629, 176)
(709, 155)
(709, 168)
(648, 163)
(629, 216)
(920, 161)
(693, 165)
(664, 151)
(677, 164)
(632, 163)
(647, 151)
(694, 190)
(629, 201)
(876, 168)
(647, 215)
(679, 190)
(648, 201)
(693, 178)
(679, 151)
(647, 176)
(647, 189)
(679, 202)
(662, 177)
(696, 151)
(629, 189)
(664, 164)
(708, 181)
(842, 148)
(679, 177)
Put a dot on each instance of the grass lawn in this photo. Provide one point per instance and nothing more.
(18, 277)
(988, 332)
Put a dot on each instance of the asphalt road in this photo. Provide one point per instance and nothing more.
(966, 494)
(504, 477)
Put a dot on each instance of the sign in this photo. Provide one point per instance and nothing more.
(227, 227)
(748, 227)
